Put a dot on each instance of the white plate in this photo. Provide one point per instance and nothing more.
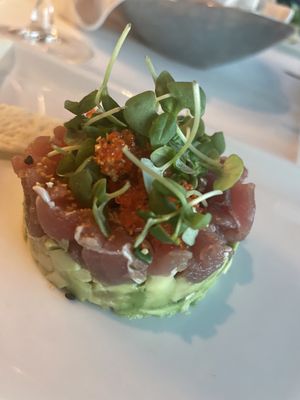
(241, 342)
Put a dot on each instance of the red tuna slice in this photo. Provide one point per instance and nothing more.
(31, 218)
(58, 223)
(234, 211)
(74, 251)
(109, 264)
(168, 259)
(40, 147)
(210, 251)
(242, 209)
(59, 136)
(30, 176)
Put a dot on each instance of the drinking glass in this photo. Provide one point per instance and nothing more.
(42, 32)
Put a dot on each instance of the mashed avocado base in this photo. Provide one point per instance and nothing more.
(157, 296)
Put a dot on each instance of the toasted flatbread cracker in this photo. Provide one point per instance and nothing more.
(19, 127)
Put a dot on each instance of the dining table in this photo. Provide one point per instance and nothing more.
(239, 343)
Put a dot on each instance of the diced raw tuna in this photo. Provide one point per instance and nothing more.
(108, 264)
(234, 212)
(112, 260)
(210, 251)
(58, 223)
(59, 136)
(168, 259)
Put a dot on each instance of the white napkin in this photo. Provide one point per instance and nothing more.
(87, 14)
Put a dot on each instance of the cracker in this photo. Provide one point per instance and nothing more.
(19, 127)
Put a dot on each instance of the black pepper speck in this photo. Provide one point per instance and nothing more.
(70, 296)
(28, 160)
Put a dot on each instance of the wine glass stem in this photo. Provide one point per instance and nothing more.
(41, 27)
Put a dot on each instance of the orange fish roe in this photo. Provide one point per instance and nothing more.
(109, 154)
(90, 113)
(187, 185)
(136, 198)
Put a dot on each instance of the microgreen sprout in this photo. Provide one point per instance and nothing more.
(167, 122)
(150, 171)
(151, 68)
(115, 53)
(203, 157)
(62, 150)
(103, 115)
(204, 197)
(150, 223)
(101, 198)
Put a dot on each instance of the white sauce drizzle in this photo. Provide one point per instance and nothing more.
(44, 195)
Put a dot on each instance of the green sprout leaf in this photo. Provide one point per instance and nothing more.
(94, 169)
(158, 202)
(100, 218)
(162, 235)
(82, 106)
(231, 172)
(140, 110)
(93, 132)
(109, 103)
(162, 129)
(219, 142)
(169, 184)
(100, 200)
(72, 106)
(80, 184)
(148, 179)
(161, 88)
(182, 167)
(99, 191)
(187, 123)
(66, 165)
(162, 155)
(166, 190)
(189, 236)
(183, 93)
(75, 123)
(86, 150)
(208, 149)
(195, 220)
(193, 132)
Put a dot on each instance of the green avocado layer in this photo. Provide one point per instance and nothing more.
(157, 296)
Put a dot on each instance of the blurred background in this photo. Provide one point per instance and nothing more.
(244, 53)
